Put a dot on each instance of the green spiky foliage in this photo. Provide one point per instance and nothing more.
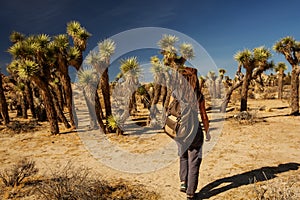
(112, 122)
(211, 75)
(280, 67)
(16, 37)
(255, 63)
(168, 48)
(106, 49)
(79, 34)
(130, 66)
(222, 71)
(167, 43)
(93, 59)
(187, 51)
(88, 77)
(156, 65)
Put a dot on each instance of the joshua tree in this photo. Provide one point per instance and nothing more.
(202, 81)
(254, 63)
(157, 70)
(3, 104)
(219, 82)
(106, 49)
(67, 55)
(211, 77)
(280, 68)
(124, 92)
(290, 48)
(88, 80)
(28, 69)
(131, 71)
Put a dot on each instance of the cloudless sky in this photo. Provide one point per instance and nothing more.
(221, 27)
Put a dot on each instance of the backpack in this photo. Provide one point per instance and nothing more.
(181, 120)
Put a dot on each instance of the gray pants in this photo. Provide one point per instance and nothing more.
(190, 163)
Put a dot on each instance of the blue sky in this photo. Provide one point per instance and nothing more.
(221, 27)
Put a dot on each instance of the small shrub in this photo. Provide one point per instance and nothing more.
(278, 190)
(18, 172)
(76, 183)
(245, 117)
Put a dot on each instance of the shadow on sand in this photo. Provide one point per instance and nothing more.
(235, 181)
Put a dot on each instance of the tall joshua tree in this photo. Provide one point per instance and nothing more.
(290, 48)
(254, 63)
(211, 77)
(3, 104)
(88, 80)
(106, 50)
(219, 82)
(124, 92)
(280, 68)
(70, 55)
(28, 69)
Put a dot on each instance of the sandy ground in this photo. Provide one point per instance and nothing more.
(267, 149)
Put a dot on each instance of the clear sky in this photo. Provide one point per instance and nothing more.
(221, 27)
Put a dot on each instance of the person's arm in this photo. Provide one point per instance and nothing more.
(204, 118)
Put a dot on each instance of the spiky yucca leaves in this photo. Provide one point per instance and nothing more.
(73, 53)
(93, 59)
(61, 42)
(130, 66)
(28, 69)
(106, 49)
(222, 71)
(88, 78)
(16, 37)
(261, 54)
(187, 51)
(280, 67)
(112, 122)
(78, 33)
(17, 50)
(243, 57)
(290, 48)
(156, 65)
(167, 43)
(284, 45)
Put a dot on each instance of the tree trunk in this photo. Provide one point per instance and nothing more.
(66, 83)
(49, 105)
(29, 95)
(59, 110)
(106, 92)
(280, 85)
(219, 87)
(99, 113)
(132, 104)
(294, 92)
(228, 96)
(3, 104)
(245, 88)
(23, 105)
(89, 99)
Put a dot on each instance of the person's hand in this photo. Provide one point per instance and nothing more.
(207, 136)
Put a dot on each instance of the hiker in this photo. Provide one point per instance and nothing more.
(189, 135)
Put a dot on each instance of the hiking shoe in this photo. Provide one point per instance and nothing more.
(190, 198)
(183, 187)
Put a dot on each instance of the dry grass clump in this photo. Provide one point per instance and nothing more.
(77, 183)
(67, 183)
(17, 173)
(17, 127)
(277, 190)
(246, 117)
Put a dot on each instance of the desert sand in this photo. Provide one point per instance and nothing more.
(243, 156)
